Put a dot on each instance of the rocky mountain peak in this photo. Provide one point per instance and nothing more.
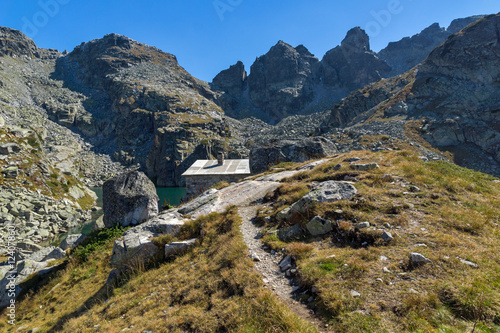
(356, 40)
(15, 43)
(115, 51)
(352, 65)
(232, 80)
(433, 28)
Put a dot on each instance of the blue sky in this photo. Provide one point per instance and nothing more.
(208, 36)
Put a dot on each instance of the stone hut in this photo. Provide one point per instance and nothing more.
(205, 173)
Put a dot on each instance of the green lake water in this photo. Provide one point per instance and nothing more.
(168, 195)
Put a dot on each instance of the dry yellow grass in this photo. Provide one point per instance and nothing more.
(214, 288)
(452, 214)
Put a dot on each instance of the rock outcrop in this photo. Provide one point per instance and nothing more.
(24, 267)
(15, 43)
(353, 65)
(129, 199)
(136, 247)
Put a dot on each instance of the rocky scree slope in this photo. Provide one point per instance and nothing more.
(37, 200)
(290, 80)
(451, 100)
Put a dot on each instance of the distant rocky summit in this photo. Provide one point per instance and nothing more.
(289, 81)
(410, 51)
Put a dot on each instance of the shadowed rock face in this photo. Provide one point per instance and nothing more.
(281, 81)
(129, 199)
(15, 43)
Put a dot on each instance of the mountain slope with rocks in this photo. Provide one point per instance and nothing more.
(450, 101)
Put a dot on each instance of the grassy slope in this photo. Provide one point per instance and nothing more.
(455, 213)
(213, 288)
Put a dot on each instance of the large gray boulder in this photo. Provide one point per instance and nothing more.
(129, 199)
(328, 191)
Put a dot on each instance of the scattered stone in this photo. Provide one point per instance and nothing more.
(9, 148)
(285, 263)
(99, 224)
(414, 189)
(10, 171)
(285, 234)
(468, 263)
(319, 226)
(387, 236)
(337, 167)
(386, 270)
(283, 214)
(72, 241)
(254, 257)
(76, 192)
(362, 225)
(355, 294)
(418, 259)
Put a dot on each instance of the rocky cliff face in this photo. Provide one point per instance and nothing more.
(287, 81)
(352, 65)
(410, 51)
(281, 82)
(454, 94)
